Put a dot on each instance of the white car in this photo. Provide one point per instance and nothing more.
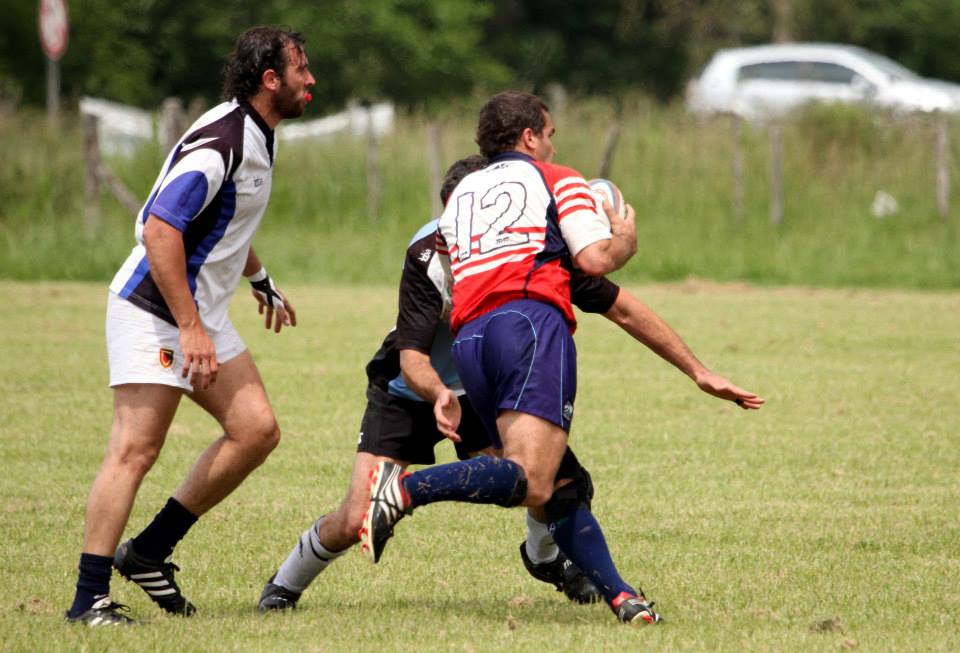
(769, 80)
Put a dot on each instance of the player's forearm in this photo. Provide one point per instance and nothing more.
(637, 319)
(419, 375)
(605, 256)
(168, 267)
(253, 263)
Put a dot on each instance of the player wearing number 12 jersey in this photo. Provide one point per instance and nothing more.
(514, 228)
(512, 232)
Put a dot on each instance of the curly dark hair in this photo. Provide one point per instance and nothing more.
(458, 171)
(257, 50)
(503, 119)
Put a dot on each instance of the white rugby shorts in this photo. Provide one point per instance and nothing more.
(142, 348)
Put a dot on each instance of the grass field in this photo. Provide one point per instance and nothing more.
(827, 521)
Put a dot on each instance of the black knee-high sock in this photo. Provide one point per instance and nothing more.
(162, 534)
(93, 583)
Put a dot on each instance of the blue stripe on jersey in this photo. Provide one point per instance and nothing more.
(182, 199)
(153, 196)
(228, 208)
(424, 230)
(143, 269)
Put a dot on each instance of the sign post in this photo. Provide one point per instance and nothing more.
(53, 23)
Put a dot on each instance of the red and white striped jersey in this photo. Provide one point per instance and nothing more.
(510, 232)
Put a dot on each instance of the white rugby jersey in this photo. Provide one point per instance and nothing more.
(214, 188)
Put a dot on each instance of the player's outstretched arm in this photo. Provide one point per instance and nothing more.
(423, 379)
(272, 303)
(605, 256)
(639, 320)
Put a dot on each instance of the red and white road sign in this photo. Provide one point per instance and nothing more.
(54, 28)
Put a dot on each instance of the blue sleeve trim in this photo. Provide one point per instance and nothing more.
(177, 223)
(182, 199)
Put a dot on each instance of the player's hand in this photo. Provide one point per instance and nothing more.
(625, 227)
(446, 409)
(718, 386)
(277, 310)
(199, 357)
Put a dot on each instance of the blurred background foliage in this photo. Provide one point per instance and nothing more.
(675, 168)
(622, 62)
(420, 52)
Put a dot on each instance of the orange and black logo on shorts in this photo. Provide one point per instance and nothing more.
(166, 357)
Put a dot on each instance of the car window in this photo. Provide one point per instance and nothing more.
(888, 66)
(792, 71)
(772, 70)
(831, 73)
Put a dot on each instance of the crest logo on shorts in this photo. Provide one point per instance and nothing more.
(166, 357)
(568, 411)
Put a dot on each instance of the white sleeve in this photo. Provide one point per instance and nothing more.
(579, 214)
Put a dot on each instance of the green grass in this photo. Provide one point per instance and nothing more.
(837, 501)
(674, 168)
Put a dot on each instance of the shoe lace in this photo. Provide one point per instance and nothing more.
(167, 567)
(643, 601)
(116, 607)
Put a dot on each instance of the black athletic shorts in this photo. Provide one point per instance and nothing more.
(407, 430)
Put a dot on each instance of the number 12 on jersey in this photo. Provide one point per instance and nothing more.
(488, 224)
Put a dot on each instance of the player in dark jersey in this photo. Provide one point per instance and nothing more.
(513, 233)
(168, 333)
(413, 365)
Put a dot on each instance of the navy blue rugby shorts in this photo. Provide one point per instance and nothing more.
(519, 357)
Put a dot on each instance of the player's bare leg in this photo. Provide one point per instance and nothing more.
(238, 401)
(141, 416)
(327, 539)
(536, 445)
(338, 530)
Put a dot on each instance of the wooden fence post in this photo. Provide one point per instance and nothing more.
(776, 173)
(53, 93)
(374, 190)
(736, 130)
(613, 137)
(172, 122)
(91, 184)
(434, 161)
(556, 98)
(942, 156)
(117, 188)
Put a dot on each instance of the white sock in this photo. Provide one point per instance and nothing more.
(540, 545)
(306, 561)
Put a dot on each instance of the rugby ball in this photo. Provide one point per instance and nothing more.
(604, 189)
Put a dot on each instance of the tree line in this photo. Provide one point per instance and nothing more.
(420, 53)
